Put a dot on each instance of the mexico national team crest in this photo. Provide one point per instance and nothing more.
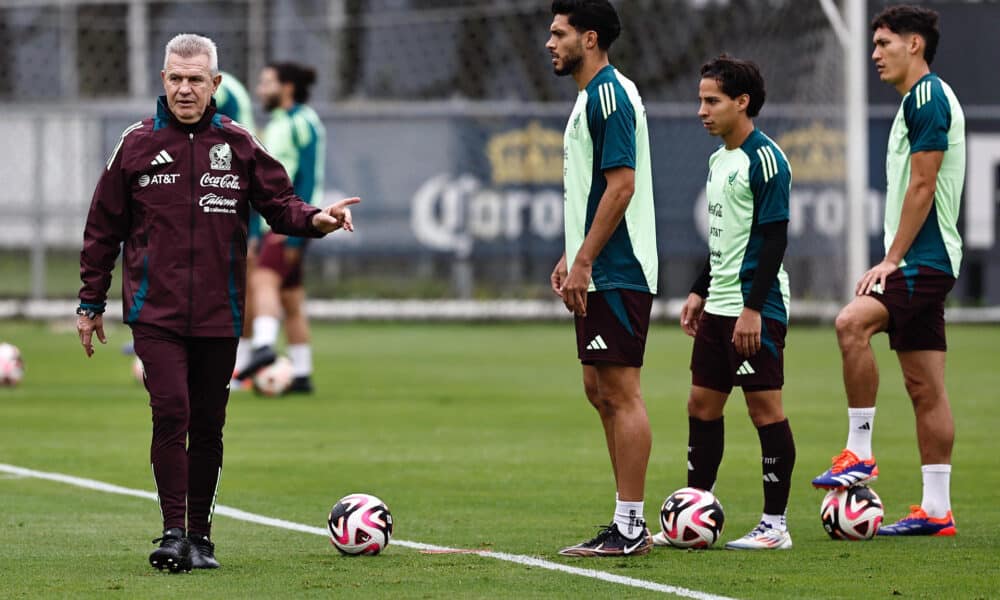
(221, 157)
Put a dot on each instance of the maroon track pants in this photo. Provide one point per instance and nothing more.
(188, 383)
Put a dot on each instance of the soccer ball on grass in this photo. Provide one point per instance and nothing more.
(854, 513)
(275, 378)
(692, 518)
(360, 524)
(11, 365)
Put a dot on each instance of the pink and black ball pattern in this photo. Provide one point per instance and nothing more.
(360, 524)
(692, 518)
(854, 513)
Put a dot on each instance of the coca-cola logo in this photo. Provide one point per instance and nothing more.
(226, 182)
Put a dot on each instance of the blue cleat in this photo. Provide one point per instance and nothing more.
(847, 471)
(919, 523)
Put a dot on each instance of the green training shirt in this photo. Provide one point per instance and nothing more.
(747, 187)
(929, 118)
(296, 138)
(233, 100)
(607, 129)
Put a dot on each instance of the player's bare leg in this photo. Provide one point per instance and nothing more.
(856, 324)
(619, 386)
(923, 374)
(706, 404)
(267, 298)
(604, 410)
(293, 301)
(629, 442)
(265, 284)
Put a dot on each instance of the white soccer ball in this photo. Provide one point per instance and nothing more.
(854, 513)
(11, 365)
(275, 378)
(692, 518)
(360, 524)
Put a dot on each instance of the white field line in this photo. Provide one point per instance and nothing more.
(241, 515)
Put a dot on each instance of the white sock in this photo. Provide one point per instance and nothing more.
(859, 434)
(628, 517)
(774, 521)
(302, 359)
(265, 331)
(937, 490)
(243, 351)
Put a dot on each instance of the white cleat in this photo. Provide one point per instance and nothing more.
(660, 539)
(762, 537)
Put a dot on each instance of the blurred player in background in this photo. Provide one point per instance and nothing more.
(296, 137)
(904, 294)
(737, 310)
(175, 194)
(608, 275)
(233, 100)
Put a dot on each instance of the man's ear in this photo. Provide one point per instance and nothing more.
(916, 44)
(590, 40)
(743, 101)
(215, 82)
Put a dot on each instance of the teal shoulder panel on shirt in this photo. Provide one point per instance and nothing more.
(770, 178)
(611, 118)
(927, 112)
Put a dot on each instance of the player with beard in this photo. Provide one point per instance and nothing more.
(608, 274)
(296, 137)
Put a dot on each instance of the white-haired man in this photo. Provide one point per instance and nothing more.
(177, 191)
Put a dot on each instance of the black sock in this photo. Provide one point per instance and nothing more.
(706, 440)
(777, 450)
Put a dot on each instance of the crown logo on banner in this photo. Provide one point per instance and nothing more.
(815, 153)
(533, 155)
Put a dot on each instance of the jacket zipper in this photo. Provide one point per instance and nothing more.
(191, 270)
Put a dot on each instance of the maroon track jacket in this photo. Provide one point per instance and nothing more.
(178, 196)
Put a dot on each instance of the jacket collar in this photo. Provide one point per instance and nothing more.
(164, 117)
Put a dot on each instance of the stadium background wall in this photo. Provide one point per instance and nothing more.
(455, 143)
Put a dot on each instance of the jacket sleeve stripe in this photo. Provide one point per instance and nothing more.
(121, 141)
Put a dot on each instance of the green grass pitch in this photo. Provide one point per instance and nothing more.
(476, 436)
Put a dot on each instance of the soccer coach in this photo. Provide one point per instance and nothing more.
(176, 192)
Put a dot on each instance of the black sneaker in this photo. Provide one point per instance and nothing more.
(302, 384)
(260, 358)
(610, 542)
(174, 553)
(202, 552)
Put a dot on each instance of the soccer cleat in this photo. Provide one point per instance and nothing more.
(847, 471)
(202, 552)
(763, 537)
(174, 553)
(919, 523)
(610, 542)
(260, 358)
(301, 384)
(240, 385)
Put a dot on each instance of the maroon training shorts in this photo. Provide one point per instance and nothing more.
(614, 330)
(716, 365)
(272, 256)
(915, 301)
